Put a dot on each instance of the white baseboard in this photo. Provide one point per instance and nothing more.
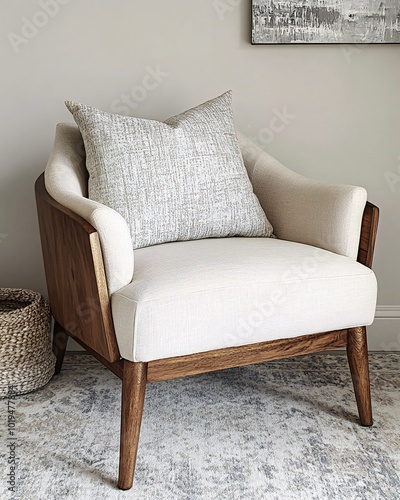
(383, 334)
(387, 312)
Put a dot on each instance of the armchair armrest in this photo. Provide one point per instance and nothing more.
(66, 182)
(316, 213)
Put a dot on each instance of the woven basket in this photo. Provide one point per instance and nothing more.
(26, 358)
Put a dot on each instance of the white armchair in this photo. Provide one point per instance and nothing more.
(189, 307)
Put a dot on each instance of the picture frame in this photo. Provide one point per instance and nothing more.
(325, 22)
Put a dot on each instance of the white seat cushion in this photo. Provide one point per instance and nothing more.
(196, 296)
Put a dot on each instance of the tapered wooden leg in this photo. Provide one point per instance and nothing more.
(133, 391)
(357, 354)
(60, 341)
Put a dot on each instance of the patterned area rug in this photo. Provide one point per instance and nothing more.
(279, 430)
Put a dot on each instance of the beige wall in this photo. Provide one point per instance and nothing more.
(340, 105)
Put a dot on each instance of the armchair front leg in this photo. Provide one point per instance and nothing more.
(357, 354)
(134, 381)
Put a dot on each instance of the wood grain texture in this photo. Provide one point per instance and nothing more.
(60, 341)
(369, 229)
(75, 275)
(116, 367)
(133, 393)
(357, 354)
(221, 359)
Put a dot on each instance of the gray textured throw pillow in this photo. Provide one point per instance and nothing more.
(182, 179)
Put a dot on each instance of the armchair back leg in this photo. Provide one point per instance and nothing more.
(134, 381)
(60, 341)
(357, 354)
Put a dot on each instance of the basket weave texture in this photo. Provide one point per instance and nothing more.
(26, 358)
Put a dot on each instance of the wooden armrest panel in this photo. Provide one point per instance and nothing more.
(75, 276)
(369, 228)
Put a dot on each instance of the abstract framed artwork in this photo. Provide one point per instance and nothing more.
(325, 21)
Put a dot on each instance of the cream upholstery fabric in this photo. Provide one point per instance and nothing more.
(195, 296)
(66, 182)
(299, 209)
(206, 294)
(182, 179)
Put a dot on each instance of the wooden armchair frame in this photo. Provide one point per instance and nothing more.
(73, 262)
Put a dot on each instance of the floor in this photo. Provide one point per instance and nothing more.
(280, 430)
